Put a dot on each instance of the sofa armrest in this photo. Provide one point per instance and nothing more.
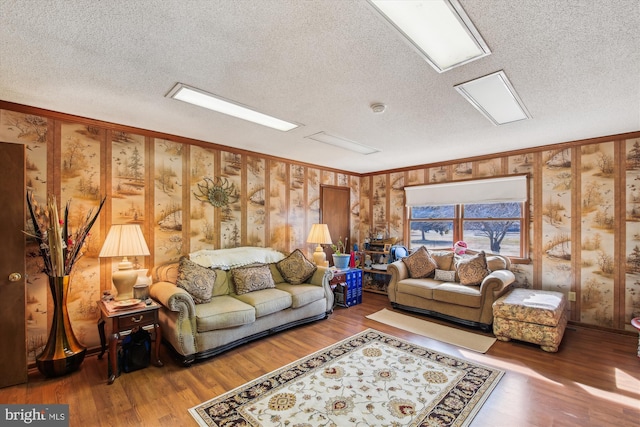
(177, 316)
(321, 277)
(492, 287)
(317, 277)
(497, 282)
(398, 272)
(173, 298)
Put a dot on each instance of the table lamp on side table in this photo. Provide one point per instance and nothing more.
(319, 235)
(124, 240)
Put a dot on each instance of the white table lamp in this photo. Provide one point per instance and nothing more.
(124, 240)
(319, 235)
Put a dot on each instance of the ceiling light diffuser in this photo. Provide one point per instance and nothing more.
(439, 30)
(343, 143)
(204, 99)
(494, 96)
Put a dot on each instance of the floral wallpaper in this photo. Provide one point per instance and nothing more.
(556, 220)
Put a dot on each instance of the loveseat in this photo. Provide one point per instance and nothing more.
(214, 300)
(460, 288)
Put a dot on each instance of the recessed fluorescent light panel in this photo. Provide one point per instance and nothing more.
(495, 97)
(203, 99)
(342, 143)
(440, 30)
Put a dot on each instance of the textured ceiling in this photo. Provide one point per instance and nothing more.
(575, 65)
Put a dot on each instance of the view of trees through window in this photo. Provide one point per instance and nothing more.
(492, 227)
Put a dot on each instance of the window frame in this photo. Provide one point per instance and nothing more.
(458, 225)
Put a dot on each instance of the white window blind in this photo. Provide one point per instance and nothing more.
(490, 190)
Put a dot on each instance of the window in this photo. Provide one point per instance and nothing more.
(498, 224)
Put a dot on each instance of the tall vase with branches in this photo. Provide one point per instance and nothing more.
(60, 248)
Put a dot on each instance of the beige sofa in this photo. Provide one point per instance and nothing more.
(198, 330)
(449, 299)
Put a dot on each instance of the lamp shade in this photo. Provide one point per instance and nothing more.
(319, 234)
(124, 240)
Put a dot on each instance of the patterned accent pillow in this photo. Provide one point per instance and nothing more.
(249, 279)
(471, 271)
(445, 275)
(296, 268)
(420, 264)
(444, 259)
(196, 279)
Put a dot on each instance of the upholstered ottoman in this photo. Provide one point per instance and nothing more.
(534, 316)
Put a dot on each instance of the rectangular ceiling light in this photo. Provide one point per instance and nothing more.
(342, 143)
(203, 99)
(440, 30)
(495, 97)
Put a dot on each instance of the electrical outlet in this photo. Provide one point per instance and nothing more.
(571, 296)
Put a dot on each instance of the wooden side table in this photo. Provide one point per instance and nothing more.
(122, 322)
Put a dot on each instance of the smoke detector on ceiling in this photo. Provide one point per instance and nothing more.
(378, 108)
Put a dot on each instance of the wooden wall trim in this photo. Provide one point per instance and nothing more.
(620, 232)
(576, 233)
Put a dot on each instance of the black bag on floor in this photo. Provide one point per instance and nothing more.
(136, 351)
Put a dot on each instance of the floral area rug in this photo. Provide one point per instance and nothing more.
(369, 379)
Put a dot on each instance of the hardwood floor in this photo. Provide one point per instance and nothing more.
(594, 380)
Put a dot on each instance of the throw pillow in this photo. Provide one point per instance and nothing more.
(471, 271)
(444, 259)
(420, 264)
(249, 279)
(496, 263)
(296, 268)
(445, 275)
(196, 279)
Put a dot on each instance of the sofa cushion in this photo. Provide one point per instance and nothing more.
(303, 294)
(223, 312)
(422, 288)
(196, 279)
(445, 275)
(221, 286)
(295, 268)
(275, 273)
(267, 301)
(420, 264)
(455, 294)
(250, 279)
(444, 259)
(471, 271)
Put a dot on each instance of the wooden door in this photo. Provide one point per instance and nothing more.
(334, 211)
(13, 351)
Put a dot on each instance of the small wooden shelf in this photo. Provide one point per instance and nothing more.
(374, 280)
